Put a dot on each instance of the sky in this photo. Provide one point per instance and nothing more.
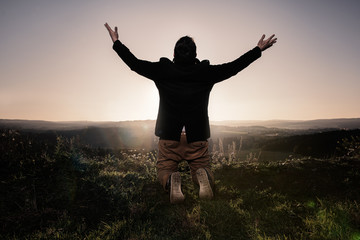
(57, 62)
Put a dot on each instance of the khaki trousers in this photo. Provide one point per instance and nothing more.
(171, 153)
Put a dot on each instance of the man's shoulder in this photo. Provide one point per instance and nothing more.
(165, 60)
(205, 62)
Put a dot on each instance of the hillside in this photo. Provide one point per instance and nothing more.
(65, 190)
(139, 135)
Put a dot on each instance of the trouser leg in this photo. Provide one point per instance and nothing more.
(168, 160)
(195, 165)
(197, 156)
(164, 170)
(171, 153)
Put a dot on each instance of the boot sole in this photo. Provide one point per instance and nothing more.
(176, 195)
(205, 191)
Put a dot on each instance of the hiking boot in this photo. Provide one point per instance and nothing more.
(205, 191)
(176, 195)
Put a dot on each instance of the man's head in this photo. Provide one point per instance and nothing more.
(185, 50)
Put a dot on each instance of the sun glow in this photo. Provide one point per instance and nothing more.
(72, 73)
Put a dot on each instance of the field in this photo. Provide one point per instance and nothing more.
(60, 188)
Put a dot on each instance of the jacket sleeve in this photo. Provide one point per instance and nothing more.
(224, 71)
(147, 69)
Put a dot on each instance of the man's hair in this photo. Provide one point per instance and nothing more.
(185, 50)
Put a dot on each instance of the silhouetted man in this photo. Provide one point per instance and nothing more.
(184, 86)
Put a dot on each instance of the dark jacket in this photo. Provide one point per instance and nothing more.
(184, 90)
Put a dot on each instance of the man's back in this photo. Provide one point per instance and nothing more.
(184, 90)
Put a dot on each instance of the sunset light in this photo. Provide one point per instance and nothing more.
(57, 61)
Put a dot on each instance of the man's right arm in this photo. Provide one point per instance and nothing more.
(227, 70)
(224, 71)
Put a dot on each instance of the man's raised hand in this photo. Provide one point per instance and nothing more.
(265, 44)
(113, 34)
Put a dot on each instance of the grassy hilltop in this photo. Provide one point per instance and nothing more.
(55, 187)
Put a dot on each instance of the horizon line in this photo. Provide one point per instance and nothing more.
(134, 120)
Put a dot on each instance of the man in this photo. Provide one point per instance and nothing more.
(184, 85)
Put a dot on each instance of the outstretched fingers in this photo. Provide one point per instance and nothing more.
(261, 40)
(270, 40)
(264, 44)
(113, 34)
(107, 27)
(271, 37)
(262, 37)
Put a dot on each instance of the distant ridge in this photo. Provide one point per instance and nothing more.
(69, 125)
(339, 123)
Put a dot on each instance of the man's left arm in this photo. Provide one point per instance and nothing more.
(145, 68)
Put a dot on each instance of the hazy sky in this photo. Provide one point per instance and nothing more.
(57, 61)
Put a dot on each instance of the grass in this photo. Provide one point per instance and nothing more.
(70, 191)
